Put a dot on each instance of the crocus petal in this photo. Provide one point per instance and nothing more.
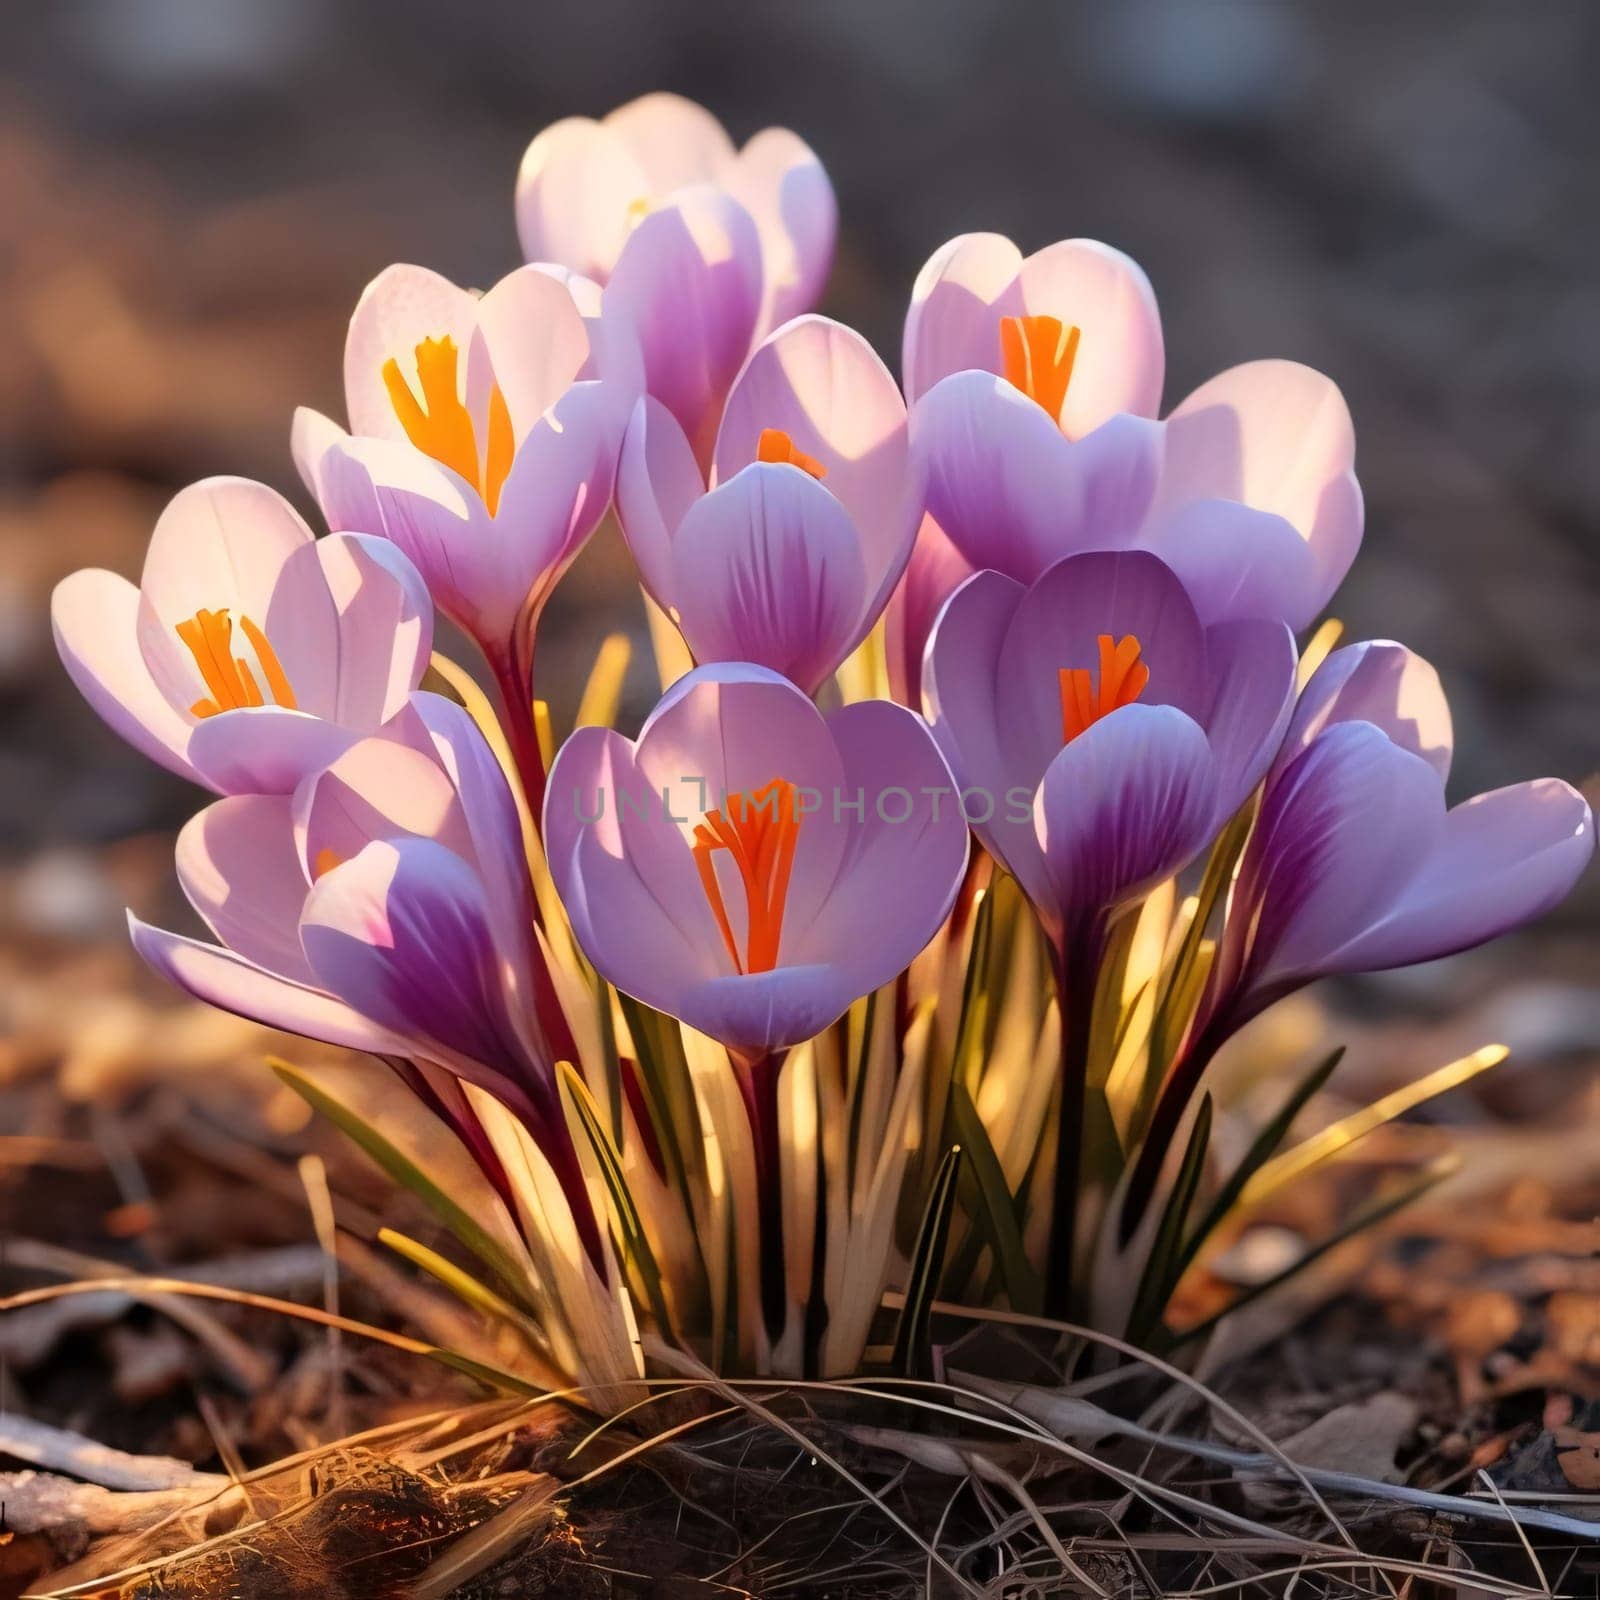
(558, 489)
(729, 728)
(781, 183)
(239, 869)
(220, 543)
(953, 323)
(488, 809)
(536, 341)
(94, 616)
(823, 385)
(961, 695)
(351, 625)
(400, 308)
(1010, 492)
(1342, 829)
(974, 281)
(385, 626)
(1502, 860)
(576, 184)
(768, 568)
(1277, 436)
(906, 854)
(768, 1010)
(688, 282)
(1059, 623)
(311, 436)
(935, 571)
(230, 982)
(657, 481)
(1120, 362)
(433, 516)
(625, 874)
(1383, 683)
(993, 472)
(1252, 673)
(676, 141)
(377, 789)
(264, 749)
(1237, 562)
(403, 934)
(1125, 805)
(613, 350)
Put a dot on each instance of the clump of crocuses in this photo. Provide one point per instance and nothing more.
(998, 780)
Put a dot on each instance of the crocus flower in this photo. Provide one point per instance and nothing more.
(482, 443)
(1105, 729)
(585, 186)
(383, 906)
(752, 868)
(1355, 864)
(250, 653)
(687, 291)
(749, 865)
(1034, 384)
(790, 557)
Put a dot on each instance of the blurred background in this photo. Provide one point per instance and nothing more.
(193, 192)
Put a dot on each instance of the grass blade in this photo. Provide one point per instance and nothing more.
(1338, 1138)
(911, 1334)
(1262, 1149)
(1162, 1265)
(1364, 1217)
(632, 1242)
(996, 1211)
(405, 1172)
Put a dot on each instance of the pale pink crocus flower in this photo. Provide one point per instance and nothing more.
(586, 186)
(249, 653)
(1035, 384)
(790, 556)
(483, 440)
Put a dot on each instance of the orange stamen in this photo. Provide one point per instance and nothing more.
(761, 839)
(1123, 678)
(440, 425)
(775, 445)
(209, 637)
(1038, 354)
(326, 861)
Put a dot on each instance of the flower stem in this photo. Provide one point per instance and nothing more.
(758, 1084)
(1075, 985)
(512, 667)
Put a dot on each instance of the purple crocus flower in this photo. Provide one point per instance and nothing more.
(752, 867)
(1356, 864)
(1102, 734)
(1034, 384)
(250, 653)
(483, 442)
(1106, 732)
(687, 290)
(790, 557)
(586, 186)
(383, 906)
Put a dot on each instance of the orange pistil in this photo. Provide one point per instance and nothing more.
(209, 637)
(776, 446)
(440, 424)
(1123, 677)
(761, 839)
(1038, 354)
